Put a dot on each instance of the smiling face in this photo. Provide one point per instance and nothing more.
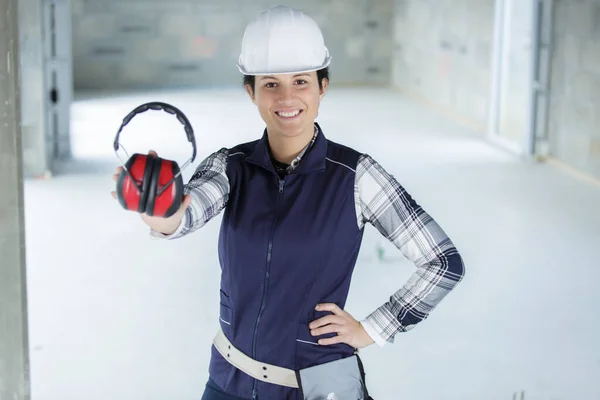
(288, 103)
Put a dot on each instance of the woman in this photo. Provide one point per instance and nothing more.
(295, 206)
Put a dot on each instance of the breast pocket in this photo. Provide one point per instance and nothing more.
(226, 315)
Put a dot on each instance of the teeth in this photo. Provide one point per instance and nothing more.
(289, 114)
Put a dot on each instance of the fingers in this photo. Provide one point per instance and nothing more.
(347, 329)
(330, 307)
(115, 178)
(328, 319)
(185, 203)
(118, 171)
(333, 328)
(333, 340)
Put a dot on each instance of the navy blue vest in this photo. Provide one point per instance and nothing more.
(285, 245)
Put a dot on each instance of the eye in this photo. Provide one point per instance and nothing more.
(301, 82)
(270, 85)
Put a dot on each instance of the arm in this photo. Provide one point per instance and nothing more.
(385, 204)
(209, 189)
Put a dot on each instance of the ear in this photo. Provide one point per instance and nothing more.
(251, 93)
(325, 85)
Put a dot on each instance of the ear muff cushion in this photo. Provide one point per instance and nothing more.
(148, 166)
(153, 186)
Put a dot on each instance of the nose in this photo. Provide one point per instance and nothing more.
(286, 94)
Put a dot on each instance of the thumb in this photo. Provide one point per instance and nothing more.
(187, 200)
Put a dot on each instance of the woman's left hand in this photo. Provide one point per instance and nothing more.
(348, 330)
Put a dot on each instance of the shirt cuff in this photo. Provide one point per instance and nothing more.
(372, 332)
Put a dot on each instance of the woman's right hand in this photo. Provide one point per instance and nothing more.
(162, 225)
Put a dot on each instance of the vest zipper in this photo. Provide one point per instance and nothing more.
(264, 296)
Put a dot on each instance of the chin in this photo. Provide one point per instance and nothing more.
(289, 131)
(288, 128)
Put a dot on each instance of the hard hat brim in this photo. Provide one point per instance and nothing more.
(274, 72)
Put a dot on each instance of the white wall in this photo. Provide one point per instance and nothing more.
(442, 54)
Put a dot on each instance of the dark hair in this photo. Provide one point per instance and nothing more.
(321, 74)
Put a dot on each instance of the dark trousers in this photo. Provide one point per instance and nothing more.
(214, 392)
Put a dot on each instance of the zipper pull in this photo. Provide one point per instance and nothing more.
(254, 394)
(281, 186)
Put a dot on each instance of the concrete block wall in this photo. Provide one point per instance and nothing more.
(14, 329)
(130, 44)
(574, 113)
(442, 54)
(37, 160)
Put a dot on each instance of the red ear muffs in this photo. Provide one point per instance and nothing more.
(150, 184)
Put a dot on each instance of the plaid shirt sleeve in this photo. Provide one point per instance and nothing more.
(209, 188)
(385, 204)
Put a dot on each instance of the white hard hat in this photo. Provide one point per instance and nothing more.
(282, 40)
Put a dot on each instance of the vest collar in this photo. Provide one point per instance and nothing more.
(312, 161)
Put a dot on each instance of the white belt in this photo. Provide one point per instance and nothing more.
(261, 371)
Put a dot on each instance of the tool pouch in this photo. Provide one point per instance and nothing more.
(337, 380)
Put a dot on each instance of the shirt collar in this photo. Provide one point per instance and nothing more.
(296, 161)
(312, 156)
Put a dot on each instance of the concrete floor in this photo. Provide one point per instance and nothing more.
(117, 315)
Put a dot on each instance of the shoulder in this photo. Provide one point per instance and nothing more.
(342, 156)
(228, 156)
(243, 149)
(368, 173)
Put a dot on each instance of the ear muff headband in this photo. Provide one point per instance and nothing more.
(156, 105)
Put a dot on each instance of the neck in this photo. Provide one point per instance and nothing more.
(285, 149)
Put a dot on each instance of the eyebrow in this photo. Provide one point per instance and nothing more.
(272, 77)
